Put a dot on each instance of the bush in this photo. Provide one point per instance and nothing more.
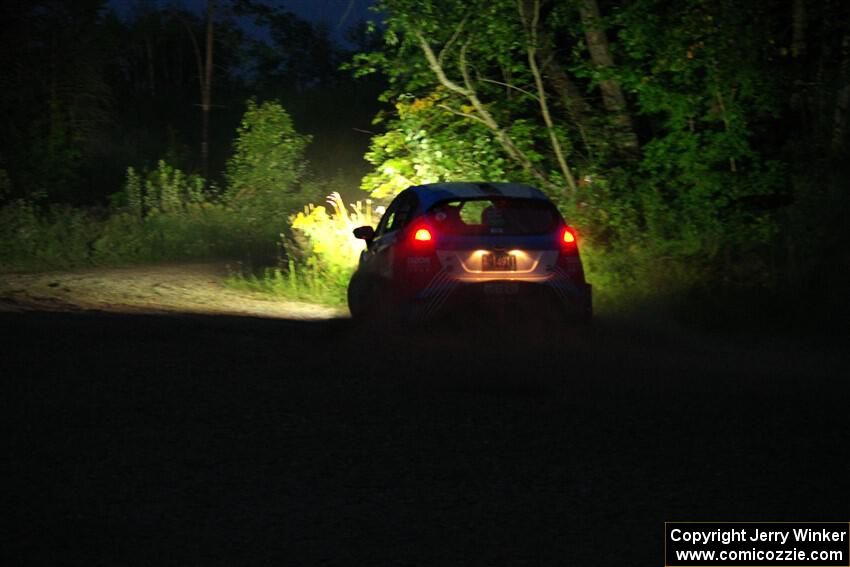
(162, 214)
(165, 190)
(316, 263)
(268, 163)
(33, 237)
(328, 232)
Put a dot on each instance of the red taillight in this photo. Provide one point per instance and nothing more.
(568, 258)
(422, 235)
(417, 261)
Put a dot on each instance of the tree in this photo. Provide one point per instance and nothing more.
(488, 64)
(529, 11)
(425, 144)
(205, 75)
(538, 82)
(600, 55)
(268, 162)
(55, 101)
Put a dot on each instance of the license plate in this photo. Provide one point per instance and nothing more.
(501, 288)
(498, 263)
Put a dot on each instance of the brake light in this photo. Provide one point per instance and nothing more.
(422, 235)
(568, 259)
(417, 260)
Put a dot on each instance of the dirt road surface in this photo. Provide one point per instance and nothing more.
(176, 288)
(182, 438)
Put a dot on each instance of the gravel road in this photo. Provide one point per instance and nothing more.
(186, 438)
(176, 288)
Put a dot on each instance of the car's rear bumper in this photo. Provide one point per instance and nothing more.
(526, 298)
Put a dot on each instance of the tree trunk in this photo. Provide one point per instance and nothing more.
(481, 113)
(798, 52)
(798, 29)
(569, 92)
(578, 111)
(600, 55)
(530, 15)
(150, 65)
(206, 91)
(842, 100)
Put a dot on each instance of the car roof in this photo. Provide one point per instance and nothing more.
(431, 193)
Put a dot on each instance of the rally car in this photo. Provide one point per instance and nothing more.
(448, 248)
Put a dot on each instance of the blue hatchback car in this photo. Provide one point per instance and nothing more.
(441, 248)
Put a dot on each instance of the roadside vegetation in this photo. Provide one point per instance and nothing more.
(166, 214)
(699, 148)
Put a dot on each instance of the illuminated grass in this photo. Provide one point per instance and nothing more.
(308, 282)
(326, 252)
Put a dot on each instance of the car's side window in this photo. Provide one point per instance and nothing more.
(388, 217)
(399, 213)
(404, 213)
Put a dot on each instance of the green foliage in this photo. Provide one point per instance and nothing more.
(163, 214)
(439, 133)
(328, 231)
(675, 214)
(425, 144)
(308, 281)
(268, 163)
(317, 262)
(163, 190)
(166, 214)
(55, 236)
(55, 97)
(701, 167)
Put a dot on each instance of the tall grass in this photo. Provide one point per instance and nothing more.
(163, 215)
(305, 282)
(316, 261)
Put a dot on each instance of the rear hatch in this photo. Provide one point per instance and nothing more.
(483, 239)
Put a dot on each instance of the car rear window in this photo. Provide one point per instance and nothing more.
(497, 215)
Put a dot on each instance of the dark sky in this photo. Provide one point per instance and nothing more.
(338, 15)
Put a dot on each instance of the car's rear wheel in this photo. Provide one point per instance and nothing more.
(356, 300)
(374, 302)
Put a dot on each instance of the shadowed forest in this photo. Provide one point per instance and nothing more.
(699, 147)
